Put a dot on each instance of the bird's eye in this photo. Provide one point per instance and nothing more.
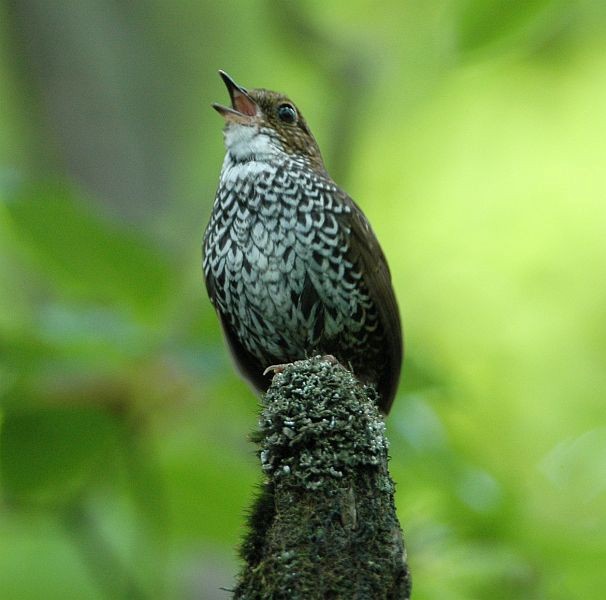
(287, 113)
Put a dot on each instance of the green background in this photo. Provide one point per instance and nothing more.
(472, 133)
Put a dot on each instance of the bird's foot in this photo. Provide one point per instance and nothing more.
(275, 369)
(330, 359)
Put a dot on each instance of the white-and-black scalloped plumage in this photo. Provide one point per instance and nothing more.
(291, 264)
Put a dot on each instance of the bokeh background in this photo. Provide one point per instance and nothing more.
(473, 134)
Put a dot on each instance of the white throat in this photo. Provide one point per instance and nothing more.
(248, 142)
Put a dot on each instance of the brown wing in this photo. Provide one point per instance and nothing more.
(366, 253)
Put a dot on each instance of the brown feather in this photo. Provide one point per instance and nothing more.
(366, 253)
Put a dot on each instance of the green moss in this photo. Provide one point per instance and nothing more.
(324, 525)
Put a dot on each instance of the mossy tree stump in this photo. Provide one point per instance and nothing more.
(325, 524)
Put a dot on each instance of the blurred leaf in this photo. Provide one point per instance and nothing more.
(579, 466)
(34, 373)
(37, 560)
(98, 334)
(85, 253)
(419, 373)
(50, 455)
(484, 22)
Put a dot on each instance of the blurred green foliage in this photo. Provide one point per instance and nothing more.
(471, 132)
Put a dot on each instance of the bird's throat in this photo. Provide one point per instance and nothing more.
(248, 142)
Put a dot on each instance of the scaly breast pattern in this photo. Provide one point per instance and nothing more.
(275, 252)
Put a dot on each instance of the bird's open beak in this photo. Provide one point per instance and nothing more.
(243, 107)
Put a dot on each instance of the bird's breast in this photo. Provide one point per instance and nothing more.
(277, 255)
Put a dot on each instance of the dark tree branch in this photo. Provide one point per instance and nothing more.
(325, 524)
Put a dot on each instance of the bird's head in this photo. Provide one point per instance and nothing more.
(261, 124)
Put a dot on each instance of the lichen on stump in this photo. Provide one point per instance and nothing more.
(324, 525)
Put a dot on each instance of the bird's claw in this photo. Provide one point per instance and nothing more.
(275, 369)
(330, 359)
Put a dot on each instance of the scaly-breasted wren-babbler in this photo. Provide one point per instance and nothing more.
(291, 263)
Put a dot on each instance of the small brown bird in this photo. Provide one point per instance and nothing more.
(291, 263)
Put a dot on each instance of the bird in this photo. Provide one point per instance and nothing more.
(291, 263)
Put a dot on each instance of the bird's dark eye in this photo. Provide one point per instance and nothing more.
(287, 113)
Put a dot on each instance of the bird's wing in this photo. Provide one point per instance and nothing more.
(366, 253)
